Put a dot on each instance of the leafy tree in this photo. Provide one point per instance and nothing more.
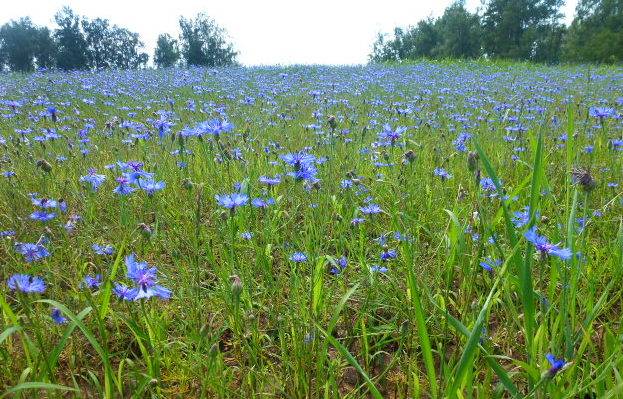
(126, 51)
(72, 47)
(18, 44)
(205, 43)
(45, 48)
(111, 46)
(458, 33)
(167, 52)
(522, 29)
(596, 33)
(416, 42)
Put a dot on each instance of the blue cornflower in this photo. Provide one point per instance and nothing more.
(556, 364)
(602, 112)
(340, 265)
(487, 184)
(305, 172)
(42, 216)
(246, 235)
(94, 179)
(370, 209)
(150, 186)
(297, 159)
(388, 254)
(145, 278)
(270, 181)
(521, 218)
(357, 221)
(391, 135)
(231, 201)
(441, 172)
(91, 282)
(103, 249)
(298, 257)
(26, 283)
(32, 252)
(262, 203)
(489, 264)
(378, 269)
(124, 292)
(44, 203)
(124, 187)
(58, 317)
(215, 127)
(544, 247)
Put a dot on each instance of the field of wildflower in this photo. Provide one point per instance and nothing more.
(425, 230)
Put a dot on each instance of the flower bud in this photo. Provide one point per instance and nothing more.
(44, 165)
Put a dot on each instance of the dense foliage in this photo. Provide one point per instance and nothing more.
(79, 43)
(512, 29)
(425, 230)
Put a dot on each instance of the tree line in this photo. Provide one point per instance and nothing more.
(80, 43)
(530, 30)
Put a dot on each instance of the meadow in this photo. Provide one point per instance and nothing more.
(449, 229)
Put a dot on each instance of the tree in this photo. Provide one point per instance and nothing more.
(45, 48)
(111, 46)
(205, 43)
(126, 52)
(596, 33)
(459, 33)
(522, 29)
(417, 42)
(18, 44)
(167, 52)
(71, 43)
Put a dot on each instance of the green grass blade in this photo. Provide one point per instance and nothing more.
(353, 362)
(36, 385)
(427, 351)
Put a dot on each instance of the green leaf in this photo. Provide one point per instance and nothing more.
(36, 385)
(353, 362)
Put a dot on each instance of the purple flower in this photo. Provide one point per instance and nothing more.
(42, 216)
(32, 252)
(44, 203)
(231, 201)
(103, 249)
(150, 186)
(262, 203)
(145, 278)
(58, 317)
(490, 264)
(298, 257)
(370, 209)
(556, 364)
(543, 245)
(298, 159)
(340, 265)
(270, 181)
(123, 188)
(91, 282)
(388, 254)
(124, 292)
(94, 179)
(26, 283)
(442, 173)
(246, 235)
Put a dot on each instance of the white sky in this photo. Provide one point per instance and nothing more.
(263, 31)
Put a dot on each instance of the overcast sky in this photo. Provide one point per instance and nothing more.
(263, 31)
